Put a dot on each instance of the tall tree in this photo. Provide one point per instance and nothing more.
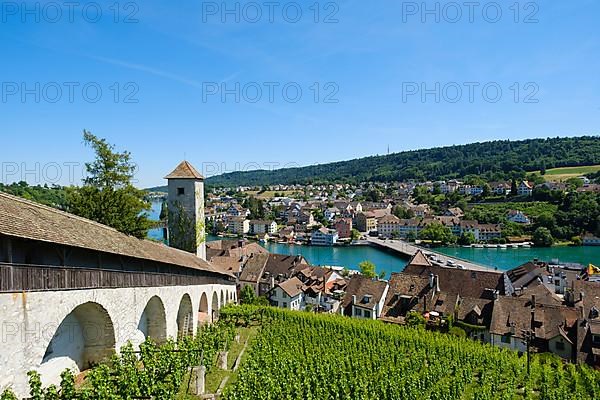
(108, 195)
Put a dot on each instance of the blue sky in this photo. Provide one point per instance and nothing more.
(371, 58)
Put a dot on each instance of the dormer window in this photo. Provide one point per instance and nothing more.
(367, 298)
(594, 313)
(180, 191)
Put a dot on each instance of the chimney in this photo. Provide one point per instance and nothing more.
(431, 280)
(353, 299)
(272, 282)
(437, 283)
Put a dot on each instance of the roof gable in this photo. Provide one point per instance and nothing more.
(185, 170)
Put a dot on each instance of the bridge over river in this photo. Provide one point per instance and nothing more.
(409, 250)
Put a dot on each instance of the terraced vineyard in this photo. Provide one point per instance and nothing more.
(304, 356)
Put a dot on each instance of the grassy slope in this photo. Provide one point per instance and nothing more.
(562, 174)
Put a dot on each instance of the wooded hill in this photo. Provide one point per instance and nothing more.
(496, 160)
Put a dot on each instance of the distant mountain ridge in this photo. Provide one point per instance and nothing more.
(494, 160)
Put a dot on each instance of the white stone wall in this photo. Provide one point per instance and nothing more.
(29, 321)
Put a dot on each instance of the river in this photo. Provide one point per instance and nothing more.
(351, 256)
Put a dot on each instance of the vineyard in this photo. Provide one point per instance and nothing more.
(308, 357)
(303, 356)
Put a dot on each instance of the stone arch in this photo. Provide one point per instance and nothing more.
(84, 338)
(204, 310)
(185, 321)
(214, 305)
(153, 322)
(204, 303)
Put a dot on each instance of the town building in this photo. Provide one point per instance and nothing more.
(238, 225)
(343, 226)
(366, 222)
(365, 297)
(525, 189)
(260, 227)
(518, 217)
(324, 237)
(590, 240)
(288, 294)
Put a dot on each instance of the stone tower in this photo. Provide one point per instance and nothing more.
(186, 210)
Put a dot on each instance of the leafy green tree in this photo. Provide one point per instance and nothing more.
(574, 183)
(8, 395)
(164, 211)
(256, 207)
(108, 195)
(437, 232)
(374, 195)
(403, 213)
(355, 234)
(513, 187)
(546, 220)
(466, 238)
(415, 320)
(367, 268)
(458, 332)
(247, 295)
(542, 237)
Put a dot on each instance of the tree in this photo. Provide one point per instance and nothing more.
(415, 320)
(403, 213)
(437, 232)
(542, 237)
(108, 195)
(164, 211)
(355, 234)
(367, 268)
(513, 187)
(374, 195)
(247, 295)
(466, 238)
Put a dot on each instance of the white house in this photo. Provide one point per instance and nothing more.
(258, 227)
(324, 237)
(524, 189)
(365, 297)
(288, 294)
(389, 226)
(239, 225)
(518, 217)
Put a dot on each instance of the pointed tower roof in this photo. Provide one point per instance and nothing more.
(185, 170)
(419, 259)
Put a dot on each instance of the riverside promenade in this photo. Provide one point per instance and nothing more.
(409, 250)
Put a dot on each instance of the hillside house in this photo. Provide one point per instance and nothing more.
(365, 297)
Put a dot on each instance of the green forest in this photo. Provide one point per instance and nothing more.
(496, 160)
(53, 196)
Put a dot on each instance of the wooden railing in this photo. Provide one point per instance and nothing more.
(18, 278)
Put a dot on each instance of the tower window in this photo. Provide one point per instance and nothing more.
(180, 191)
